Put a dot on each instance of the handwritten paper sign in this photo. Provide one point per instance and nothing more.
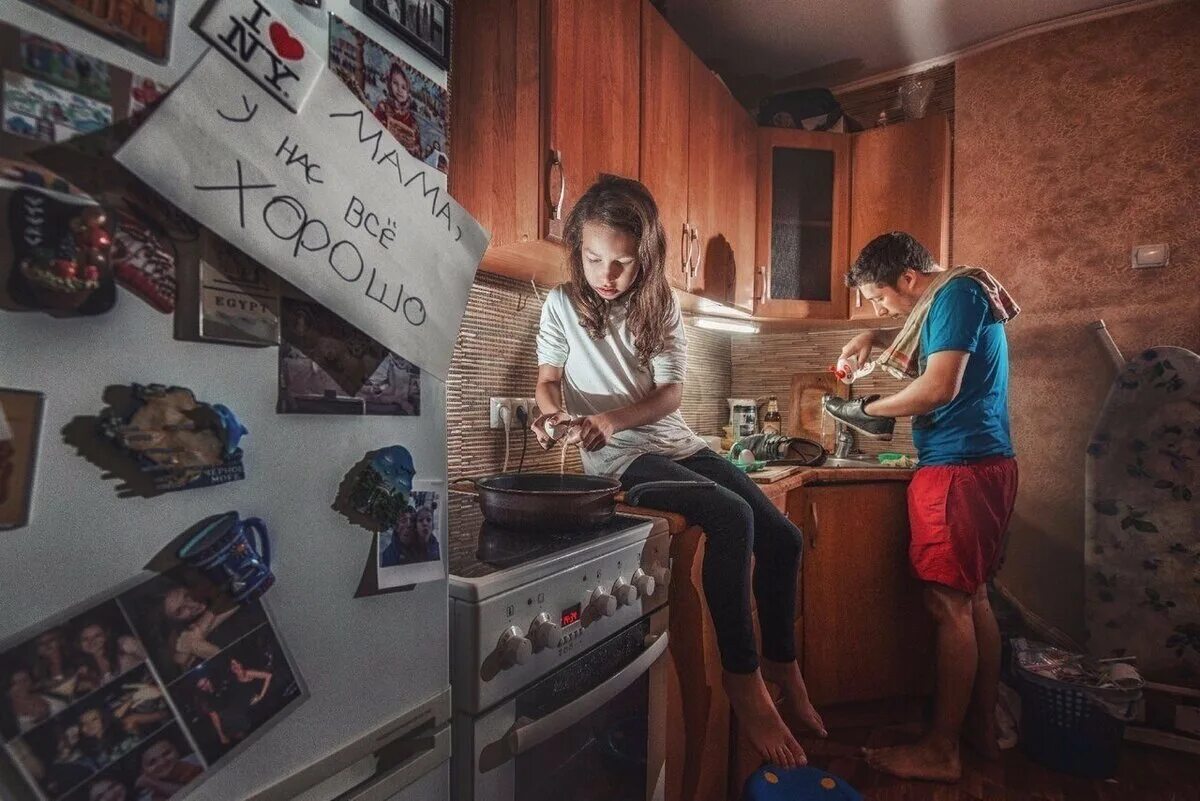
(326, 198)
(249, 35)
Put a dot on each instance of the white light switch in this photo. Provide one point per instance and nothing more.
(1151, 256)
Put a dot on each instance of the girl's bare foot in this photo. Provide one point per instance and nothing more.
(931, 759)
(798, 712)
(759, 719)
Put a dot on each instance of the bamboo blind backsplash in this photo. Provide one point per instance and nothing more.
(763, 365)
(496, 356)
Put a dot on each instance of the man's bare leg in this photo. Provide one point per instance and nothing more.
(759, 719)
(981, 729)
(798, 711)
(935, 757)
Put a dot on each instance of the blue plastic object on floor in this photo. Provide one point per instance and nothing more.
(770, 783)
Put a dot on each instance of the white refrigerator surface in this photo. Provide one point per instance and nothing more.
(363, 661)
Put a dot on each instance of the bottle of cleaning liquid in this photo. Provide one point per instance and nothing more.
(848, 370)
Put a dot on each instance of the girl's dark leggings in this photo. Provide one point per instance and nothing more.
(738, 520)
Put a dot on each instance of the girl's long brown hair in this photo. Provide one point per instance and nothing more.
(626, 205)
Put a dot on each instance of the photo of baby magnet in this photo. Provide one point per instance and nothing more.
(234, 554)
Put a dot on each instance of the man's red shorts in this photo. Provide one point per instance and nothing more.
(959, 517)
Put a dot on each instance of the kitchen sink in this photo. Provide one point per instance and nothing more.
(851, 461)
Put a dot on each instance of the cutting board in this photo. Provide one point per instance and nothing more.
(805, 410)
(769, 475)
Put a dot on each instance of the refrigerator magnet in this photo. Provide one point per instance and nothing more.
(380, 492)
(410, 548)
(20, 427)
(182, 443)
(61, 248)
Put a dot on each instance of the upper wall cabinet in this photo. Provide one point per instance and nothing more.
(900, 181)
(544, 98)
(698, 158)
(803, 224)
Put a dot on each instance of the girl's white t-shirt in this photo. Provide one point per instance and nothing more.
(600, 375)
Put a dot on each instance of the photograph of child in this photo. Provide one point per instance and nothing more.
(20, 426)
(140, 26)
(410, 549)
(228, 698)
(183, 619)
(413, 108)
(327, 366)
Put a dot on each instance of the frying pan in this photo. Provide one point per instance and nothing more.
(549, 502)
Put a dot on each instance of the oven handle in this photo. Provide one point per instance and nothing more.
(527, 733)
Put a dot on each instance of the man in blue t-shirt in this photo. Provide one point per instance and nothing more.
(961, 499)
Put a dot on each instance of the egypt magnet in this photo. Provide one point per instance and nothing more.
(182, 442)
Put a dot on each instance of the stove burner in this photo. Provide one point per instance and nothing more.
(501, 548)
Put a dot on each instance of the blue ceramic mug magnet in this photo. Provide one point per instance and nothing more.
(234, 554)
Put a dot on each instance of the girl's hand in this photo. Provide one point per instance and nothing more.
(552, 420)
(860, 347)
(593, 433)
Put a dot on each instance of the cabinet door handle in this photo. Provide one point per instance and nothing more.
(759, 273)
(812, 538)
(695, 268)
(685, 250)
(857, 298)
(556, 204)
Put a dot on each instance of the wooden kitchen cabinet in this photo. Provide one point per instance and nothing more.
(866, 634)
(544, 97)
(900, 181)
(803, 225)
(699, 159)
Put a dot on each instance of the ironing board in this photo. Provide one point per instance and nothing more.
(1142, 542)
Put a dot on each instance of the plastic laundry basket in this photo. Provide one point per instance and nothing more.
(1065, 729)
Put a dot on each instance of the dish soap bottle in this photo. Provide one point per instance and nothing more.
(772, 423)
(848, 370)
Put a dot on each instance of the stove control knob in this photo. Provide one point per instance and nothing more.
(625, 592)
(544, 632)
(645, 583)
(514, 648)
(602, 603)
(662, 576)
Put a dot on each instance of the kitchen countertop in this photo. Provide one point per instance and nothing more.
(834, 475)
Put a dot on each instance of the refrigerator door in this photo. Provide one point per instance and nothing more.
(362, 661)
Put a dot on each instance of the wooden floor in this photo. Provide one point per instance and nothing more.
(1145, 774)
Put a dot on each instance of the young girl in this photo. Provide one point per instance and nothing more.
(397, 111)
(612, 355)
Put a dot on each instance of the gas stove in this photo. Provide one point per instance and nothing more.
(524, 603)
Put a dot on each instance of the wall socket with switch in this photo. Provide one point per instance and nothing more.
(512, 404)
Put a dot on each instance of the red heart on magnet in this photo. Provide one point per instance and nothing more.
(286, 45)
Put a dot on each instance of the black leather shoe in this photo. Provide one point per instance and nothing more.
(850, 412)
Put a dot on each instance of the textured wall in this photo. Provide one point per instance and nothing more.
(1070, 148)
(496, 356)
(763, 365)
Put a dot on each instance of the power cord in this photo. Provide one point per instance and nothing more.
(505, 418)
(523, 419)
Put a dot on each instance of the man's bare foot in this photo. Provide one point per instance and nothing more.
(760, 720)
(930, 759)
(798, 712)
(980, 735)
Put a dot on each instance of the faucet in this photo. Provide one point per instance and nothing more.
(842, 437)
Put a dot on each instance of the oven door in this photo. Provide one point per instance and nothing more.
(593, 729)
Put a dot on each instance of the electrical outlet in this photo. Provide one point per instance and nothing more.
(512, 404)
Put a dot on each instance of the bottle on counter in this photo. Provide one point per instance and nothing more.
(848, 369)
(772, 423)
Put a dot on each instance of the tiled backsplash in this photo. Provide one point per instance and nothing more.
(496, 356)
(763, 365)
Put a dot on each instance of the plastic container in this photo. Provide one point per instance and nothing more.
(1063, 728)
(848, 370)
